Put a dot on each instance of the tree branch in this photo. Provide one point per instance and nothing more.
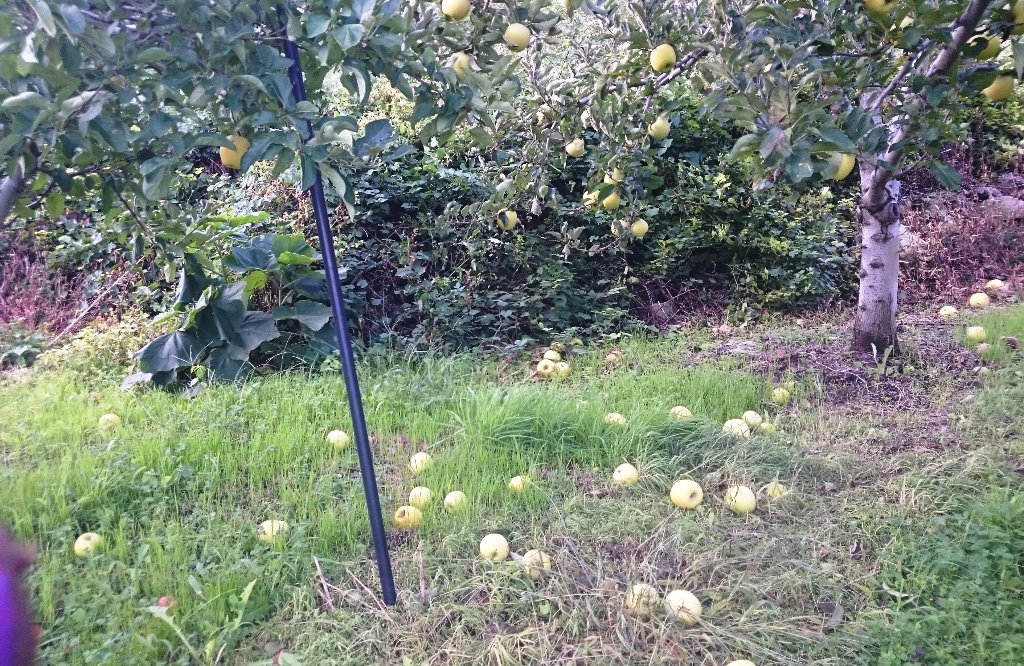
(682, 65)
(11, 187)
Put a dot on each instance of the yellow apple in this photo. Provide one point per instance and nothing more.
(455, 500)
(1018, 17)
(780, 396)
(767, 428)
(232, 158)
(271, 530)
(639, 228)
(562, 369)
(659, 129)
(843, 165)
(680, 413)
(740, 499)
(947, 311)
(625, 475)
(752, 419)
(614, 418)
(537, 563)
(419, 497)
(455, 9)
(507, 219)
(879, 6)
(775, 490)
(612, 201)
(992, 46)
(462, 63)
(575, 148)
(641, 599)
(552, 355)
(737, 428)
(976, 333)
(517, 484)
(995, 284)
(741, 662)
(408, 517)
(87, 543)
(615, 177)
(979, 300)
(494, 547)
(683, 606)
(109, 422)
(663, 58)
(1000, 88)
(686, 494)
(590, 198)
(517, 36)
(420, 462)
(337, 439)
(546, 367)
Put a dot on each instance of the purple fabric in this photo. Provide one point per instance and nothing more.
(8, 618)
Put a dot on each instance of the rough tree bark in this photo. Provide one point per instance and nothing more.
(874, 327)
(10, 188)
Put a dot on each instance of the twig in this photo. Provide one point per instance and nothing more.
(423, 576)
(99, 299)
(368, 591)
(323, 585)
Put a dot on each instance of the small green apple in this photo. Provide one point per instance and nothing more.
(562, 369)
(780, 395)
(775, 490)
(552, 355)
(546, 367)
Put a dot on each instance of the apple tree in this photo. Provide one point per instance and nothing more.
(819, 89)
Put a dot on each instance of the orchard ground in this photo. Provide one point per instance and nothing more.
(898, 543)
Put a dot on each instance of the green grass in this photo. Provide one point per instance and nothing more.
(179, 490)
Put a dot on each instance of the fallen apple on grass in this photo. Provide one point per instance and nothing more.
(517, 484)
(740, 500)
(419, 497)
(546, 367)
(736, 428)
(752, 419)
(109, 422)
(780, 395)
(680, 413)
(642, 598)
(775, 490)
(979, 300)
(683, 606)
(686, 494)
(614, 418)
(338, 439)
(420, 462)
(455, 500)
(976, 333)
(408, 517)
(87, 544)
(272, 530)
(947, 311)
(562, 369)
(494, 548)
(536, 563)
(625, 475)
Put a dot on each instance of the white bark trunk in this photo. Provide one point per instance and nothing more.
(10, 188)
(874, 326)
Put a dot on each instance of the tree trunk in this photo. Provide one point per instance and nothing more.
(10, 188)
(874, 327)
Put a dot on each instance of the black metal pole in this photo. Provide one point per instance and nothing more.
(348, 361)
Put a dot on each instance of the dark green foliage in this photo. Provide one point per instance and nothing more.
(957, 593)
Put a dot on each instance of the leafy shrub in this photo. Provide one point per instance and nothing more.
(957, 593)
